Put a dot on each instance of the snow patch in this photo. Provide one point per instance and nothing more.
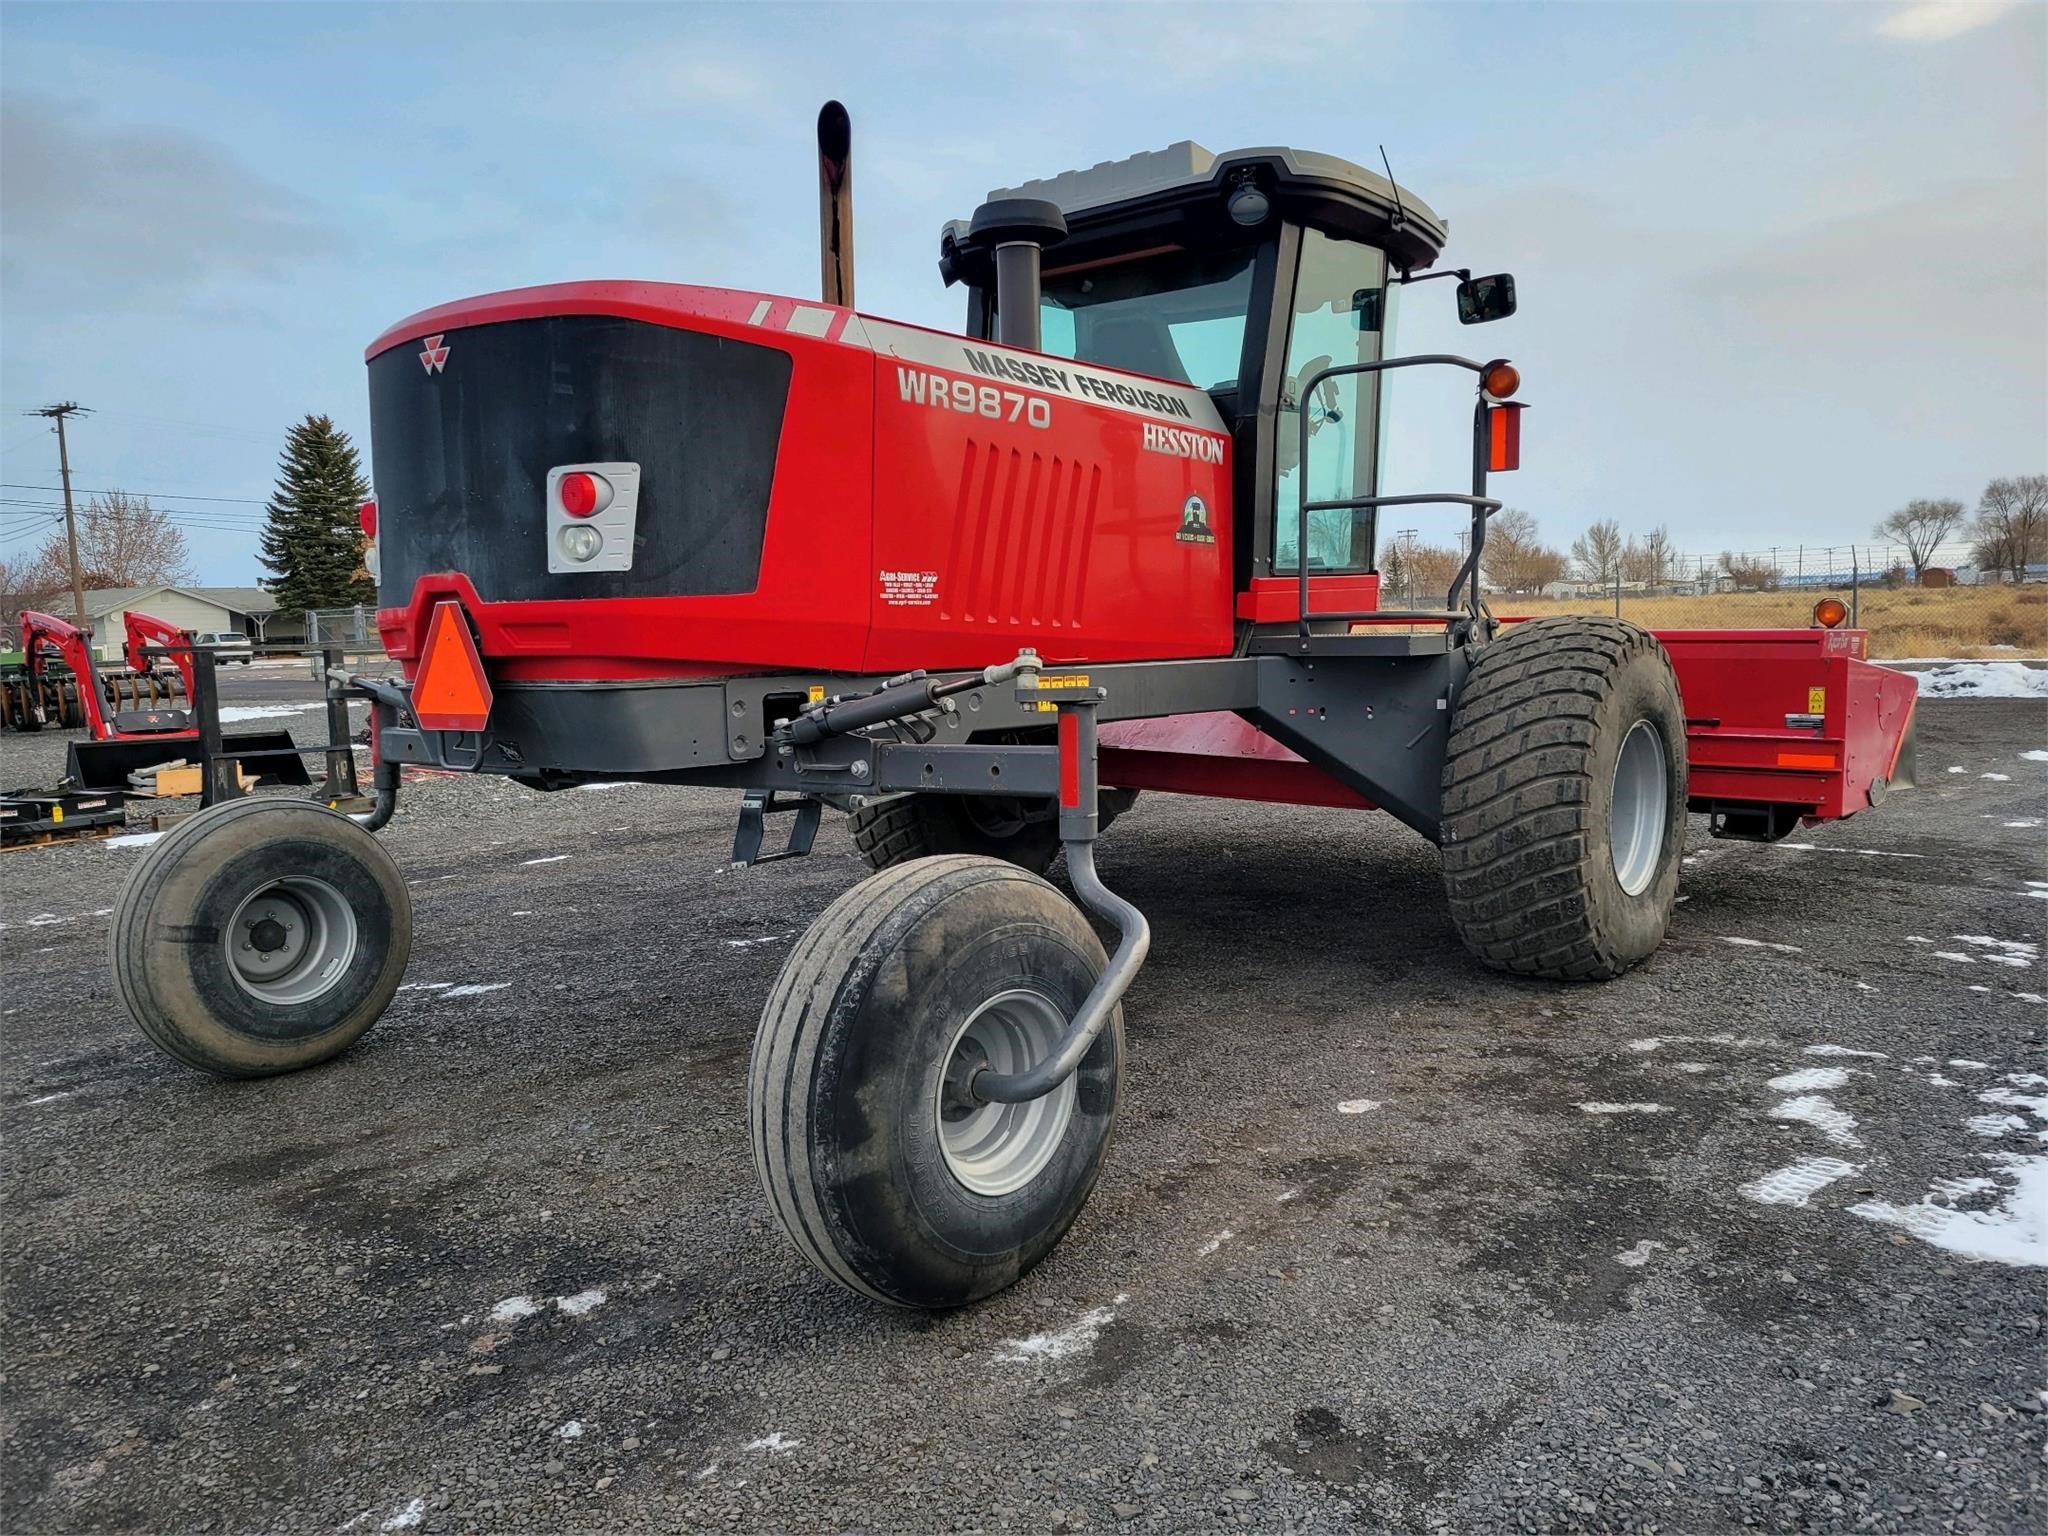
(1357, 1106)
(1783, 949)
(131, 840)
(1838, 1125)
(416, 1511)
(1973, 1066)
(1797, 1183)
(234, 714)
(476, 988)
(1598, 1108)
(581, 1302)
(1214, 1243)
(1809, 1078)
(553, 858)
(2014, 952)
(766, 938)
(513, 1308)
(1999, 778)
(1840, 1050)
(573, 1430)
(2035, 756)
(1692, 1066)
(1984, 680)
(775, 1443)
(1076, 1338)
(1994, 1126)
(1653, 1042)
(1865, 853)
(2015, 1231)
(1639, 1255)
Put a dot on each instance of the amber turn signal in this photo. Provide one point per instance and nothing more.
(1500, 380)
(1830, 613)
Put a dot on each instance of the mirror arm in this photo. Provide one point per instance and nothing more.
(1462, 274)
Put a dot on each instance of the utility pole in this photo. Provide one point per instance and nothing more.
(58, 413)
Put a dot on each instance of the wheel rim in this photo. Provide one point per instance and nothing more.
(1636, 810)
(290, 940)
(993, 1149)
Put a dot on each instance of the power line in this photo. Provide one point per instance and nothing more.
(253, 501)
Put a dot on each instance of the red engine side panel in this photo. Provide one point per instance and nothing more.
(937, 502)
(1027, 500)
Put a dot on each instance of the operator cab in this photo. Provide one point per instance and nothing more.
(1243, 274)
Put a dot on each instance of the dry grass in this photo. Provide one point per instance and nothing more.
(1993, 622)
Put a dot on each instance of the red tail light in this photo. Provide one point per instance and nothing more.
(366, 514)
(584, 494)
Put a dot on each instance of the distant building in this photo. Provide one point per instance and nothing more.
(247, 611)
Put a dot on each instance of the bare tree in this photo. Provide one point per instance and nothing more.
(1659, 555)
(1921, 526)
(21, 586)
(1431, 567)
(1597, 552)
(132, 542)
(122, 542)
(2012, 524)
(1750, 573)
(1515, 557)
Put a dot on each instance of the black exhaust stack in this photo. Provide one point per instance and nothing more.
(835, 203)
(1017, 229)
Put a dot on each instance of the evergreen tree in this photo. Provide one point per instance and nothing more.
(313, 540)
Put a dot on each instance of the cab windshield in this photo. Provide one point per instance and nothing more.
(1179, 315)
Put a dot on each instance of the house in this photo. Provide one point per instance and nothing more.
(247, 611)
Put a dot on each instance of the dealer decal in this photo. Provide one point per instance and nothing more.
(909, 589)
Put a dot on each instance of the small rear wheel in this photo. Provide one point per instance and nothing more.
(1564, 795)
(260, 937)
(884, 1170)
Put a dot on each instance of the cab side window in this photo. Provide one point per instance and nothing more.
(1340, 301)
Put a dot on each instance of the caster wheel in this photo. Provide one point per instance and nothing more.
(261, 937)
(884, 1170)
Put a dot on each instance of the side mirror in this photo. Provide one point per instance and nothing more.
(1481, 299)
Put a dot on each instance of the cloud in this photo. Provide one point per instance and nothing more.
(125, 210)
(1936, 21)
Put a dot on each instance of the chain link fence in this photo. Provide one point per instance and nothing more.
(1949, 608)
(354, 630)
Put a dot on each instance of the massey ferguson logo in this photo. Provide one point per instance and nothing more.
(433, 356)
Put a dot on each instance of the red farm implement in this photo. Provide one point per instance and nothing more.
(976, 590)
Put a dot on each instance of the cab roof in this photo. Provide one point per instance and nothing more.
(1187, 184)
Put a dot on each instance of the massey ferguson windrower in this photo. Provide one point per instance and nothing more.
(977, 591)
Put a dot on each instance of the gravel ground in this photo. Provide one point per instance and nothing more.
(1387, 1242)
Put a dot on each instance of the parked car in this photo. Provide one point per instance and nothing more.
(228, 645)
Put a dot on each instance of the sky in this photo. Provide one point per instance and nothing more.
(1781, 266)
